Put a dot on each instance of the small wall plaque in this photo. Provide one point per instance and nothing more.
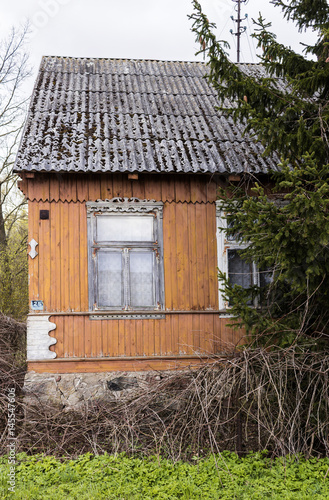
(44, 214)
(37, 305)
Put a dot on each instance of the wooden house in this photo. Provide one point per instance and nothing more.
(120, 162)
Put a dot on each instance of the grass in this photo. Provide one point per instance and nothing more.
(121, 477)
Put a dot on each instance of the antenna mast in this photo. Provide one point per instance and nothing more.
(240, 29)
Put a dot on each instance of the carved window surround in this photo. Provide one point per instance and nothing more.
(125, 255)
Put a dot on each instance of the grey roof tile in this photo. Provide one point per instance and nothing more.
(113, 115)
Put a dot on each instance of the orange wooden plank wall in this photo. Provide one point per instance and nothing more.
(177, 334)
(59, 274)
(83, 187)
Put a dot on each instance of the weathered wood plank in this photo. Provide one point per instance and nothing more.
(196, 332)
(174, 348)
(82, 188)
(182, 189)
(201, 255)
(94, 187)
(78, 335)
(189, 334)
(83, 258)
(59, 335)
(33, 263)
(138, 189)
(54, 256)
(217, 334)
(117, 186)
(97, 338)
(193, 270)
(74, 256)
(44, 256)
(209, 333)
(54, 188)
(168, 230)
(142, 346)
(152, 341)
(103, 340)
(212, 256)
(122, 338)
(211, 187)
(182, 245)
(119, 364)
(65, 249)
(87, 337)
(182, 329)
(113, 336)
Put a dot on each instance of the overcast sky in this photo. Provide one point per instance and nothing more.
(143, 29)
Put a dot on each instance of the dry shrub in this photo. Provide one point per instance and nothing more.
(12, 353)
(249, 400)
(245, 401)
(12, 363)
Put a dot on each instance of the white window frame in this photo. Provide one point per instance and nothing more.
(223, 244)
(121, 207)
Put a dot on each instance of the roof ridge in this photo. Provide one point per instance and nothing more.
(131, 59)
(123, 59)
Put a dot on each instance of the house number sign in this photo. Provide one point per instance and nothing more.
(37, 305)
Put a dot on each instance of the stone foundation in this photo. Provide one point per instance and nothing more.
(75, 390)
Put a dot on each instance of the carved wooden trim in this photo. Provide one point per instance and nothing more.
(38, 339)
(124, 205)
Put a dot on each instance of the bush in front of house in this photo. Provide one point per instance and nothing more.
(247, 400)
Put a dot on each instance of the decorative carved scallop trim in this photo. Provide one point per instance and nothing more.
(38, 339)
(124, 205)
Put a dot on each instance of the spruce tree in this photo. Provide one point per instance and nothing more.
(284, 104)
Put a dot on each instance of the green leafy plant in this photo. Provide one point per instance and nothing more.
(223, 476)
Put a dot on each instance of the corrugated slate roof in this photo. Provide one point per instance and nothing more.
(115, 115)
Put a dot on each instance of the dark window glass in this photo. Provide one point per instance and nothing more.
(265, 278)
(239, 271)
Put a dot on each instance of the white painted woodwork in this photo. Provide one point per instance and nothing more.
(38, 339)
(33, 253)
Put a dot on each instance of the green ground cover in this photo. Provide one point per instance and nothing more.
(221, 477)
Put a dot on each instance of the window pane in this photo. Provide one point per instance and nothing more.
(265, 278)
(230, 225)
(239, 271)
(110, 279)
(125, 228)
(141, 279)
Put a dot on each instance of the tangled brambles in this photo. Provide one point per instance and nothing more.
(246, 400)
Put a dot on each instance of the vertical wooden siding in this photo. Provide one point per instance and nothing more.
(177, 334)
(59, 274)
(84, 187)
(190, 256)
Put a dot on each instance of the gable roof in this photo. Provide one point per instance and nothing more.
(119, 115)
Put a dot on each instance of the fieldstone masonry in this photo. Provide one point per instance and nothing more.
(75, 390)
